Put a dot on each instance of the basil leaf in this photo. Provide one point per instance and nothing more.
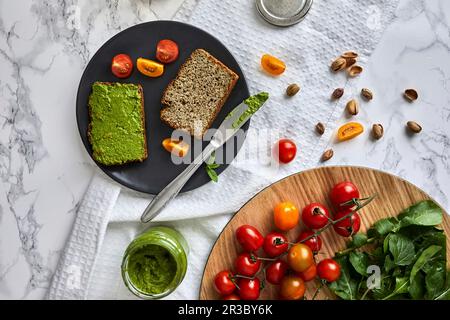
(445, 295)
(435, 281)
(417, 286)
(425, 256)
(386, 286)
(358, 240)
(384, 226)
(388, 264)
(402, 249)
(424, 213)
(345, 287)
(401, 287)
(359, 261)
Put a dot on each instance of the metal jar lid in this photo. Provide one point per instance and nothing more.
(283, 13)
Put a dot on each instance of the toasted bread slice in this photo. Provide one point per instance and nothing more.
(194, 98)
(117, 123)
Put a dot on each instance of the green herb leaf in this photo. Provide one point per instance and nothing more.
(402, 249)
(435, 281)
(401, 287)
(346, 286)
(384, 226)
(211, 166)
(388, 263)
(417, 286)
(424, 213)
(359, 261)
(425, 256)
(358, 240)
(445, 294)
(212, 174)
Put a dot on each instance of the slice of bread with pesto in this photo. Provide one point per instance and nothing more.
(117, 123)
(194, 98)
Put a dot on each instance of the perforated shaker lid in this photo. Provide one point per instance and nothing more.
(283, 13)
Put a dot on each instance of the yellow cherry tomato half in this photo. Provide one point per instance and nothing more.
(272, 65)
(150, 68)
(349, 131)
(300, 257)
(285, 216)
(176, 147)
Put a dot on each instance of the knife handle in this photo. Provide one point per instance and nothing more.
(173, 188)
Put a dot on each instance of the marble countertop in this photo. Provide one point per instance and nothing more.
(44, 169)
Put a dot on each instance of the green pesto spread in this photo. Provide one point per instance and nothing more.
(254, 103)
(116, 127)
(151, 269)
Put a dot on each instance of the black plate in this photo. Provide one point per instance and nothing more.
(152, 175)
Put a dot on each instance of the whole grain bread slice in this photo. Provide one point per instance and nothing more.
(193, 99)
(97, 150)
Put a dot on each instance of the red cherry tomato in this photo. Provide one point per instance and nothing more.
(276, 271)
(247, 264)
(309, 274)
(166, 51)
(292, 288)
(271, 248)
(249, 288)
(249, 238)
(232, 296)
(314, 243)
(286, 150)
(349, 226)
(329, 270)
(315, 216)
(223, 283)
(343, 192)
(122, 65)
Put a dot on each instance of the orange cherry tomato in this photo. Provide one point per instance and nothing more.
(300, 257)
(286, 216)
(166, 51)
(150, 68)
(272, 65)
(176, 147)
(309, 274)
(349, 131)
(122, 66)
(292, 288)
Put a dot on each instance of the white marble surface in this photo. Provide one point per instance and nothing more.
(44, 170)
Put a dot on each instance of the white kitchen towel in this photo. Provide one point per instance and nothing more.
(307, 48)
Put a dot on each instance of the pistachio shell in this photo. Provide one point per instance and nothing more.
(320, 128)
(366, 94)
(354, 70)
(327, 155)
(292, 90)
(338, 64)
(414, 126)
(377, 131)
(411, 95)
(352, 107)
(337, 93)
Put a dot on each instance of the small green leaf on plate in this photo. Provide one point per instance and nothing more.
(402, 249)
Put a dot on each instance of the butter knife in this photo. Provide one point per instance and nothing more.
(227, 129)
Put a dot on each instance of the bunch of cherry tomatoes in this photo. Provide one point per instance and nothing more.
(290, 265)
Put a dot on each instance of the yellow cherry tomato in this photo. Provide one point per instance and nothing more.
(176, 147)
(286, 216)
(150, 68)
(300, 257)
(272, 65)
(349, 131)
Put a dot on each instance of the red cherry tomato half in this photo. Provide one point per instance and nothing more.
(329, 270)
(343, 192)
(247, 264)
(122, 65)
(315, 216)
(349, 226)
(286, 150)
(166, 51)
(276, 271)
(275, 244)
(223, 283)
(314, 242)
(232, 296)
(249, 238)
(309, 274)
(249, 288)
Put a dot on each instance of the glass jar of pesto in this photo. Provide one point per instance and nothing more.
(155, 263)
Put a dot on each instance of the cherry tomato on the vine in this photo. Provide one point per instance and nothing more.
(232, 296)
(286, 150)
(276, 271)
(329, 270)
(249, 238)
(349, 226)
(247, 264)
(309, 274)
(292, 288)
(315, 216)
(314, 243)
(122, 65)
(342, 193)
(166, 51)
(223, 283)
(249, 288)
(275, 244)
(300, 257)
(285, 216)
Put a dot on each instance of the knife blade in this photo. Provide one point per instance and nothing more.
(227, 129)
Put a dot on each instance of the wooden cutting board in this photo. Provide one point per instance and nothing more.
(394, 195)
